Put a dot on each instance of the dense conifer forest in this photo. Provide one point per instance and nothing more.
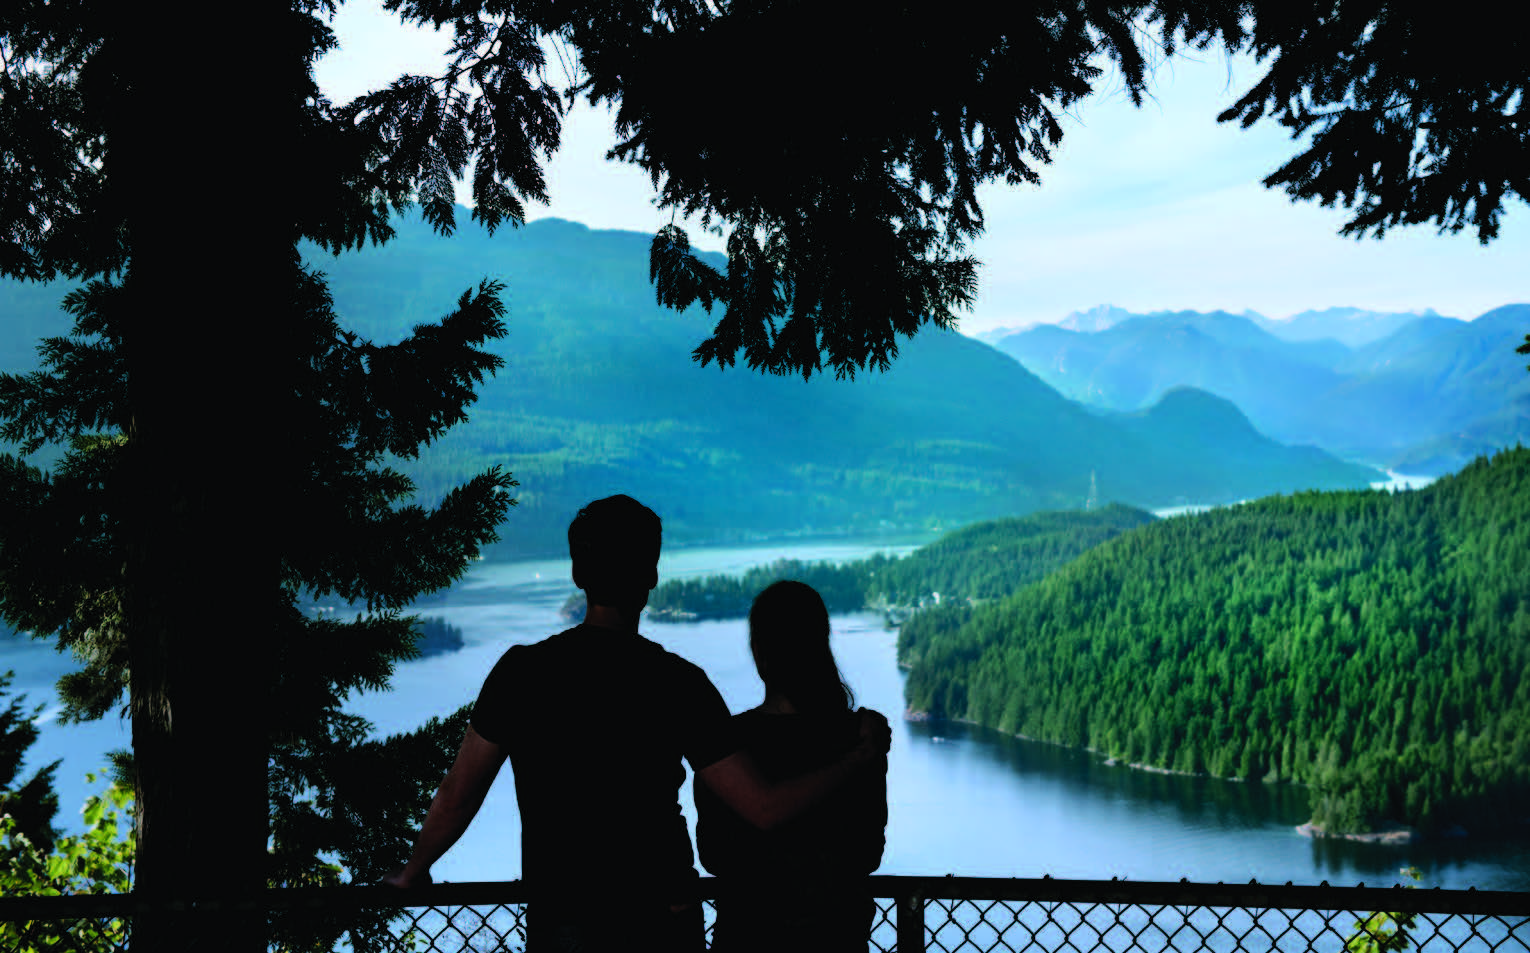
(1374, 646)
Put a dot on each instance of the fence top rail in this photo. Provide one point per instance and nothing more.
(1041, 890)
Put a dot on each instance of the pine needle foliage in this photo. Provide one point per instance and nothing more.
(1416, 113)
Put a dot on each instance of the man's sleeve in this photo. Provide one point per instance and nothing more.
(705, 721)
(492, 711)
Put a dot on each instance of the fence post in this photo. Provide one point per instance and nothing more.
(911, 922)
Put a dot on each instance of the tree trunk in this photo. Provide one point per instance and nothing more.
(197, 155)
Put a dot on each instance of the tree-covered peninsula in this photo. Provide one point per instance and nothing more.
(1373, 646)
(983, 561)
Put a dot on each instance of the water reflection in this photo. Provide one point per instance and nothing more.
(1219, 830)
(1198, 801)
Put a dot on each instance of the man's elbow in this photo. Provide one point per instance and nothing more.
(457, 797)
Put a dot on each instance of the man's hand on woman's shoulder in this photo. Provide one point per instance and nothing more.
(876, 736)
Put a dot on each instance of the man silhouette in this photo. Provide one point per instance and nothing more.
(595, 721)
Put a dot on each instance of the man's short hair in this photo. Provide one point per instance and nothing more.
(614, 544)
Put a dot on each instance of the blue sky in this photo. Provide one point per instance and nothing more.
(1157, 208)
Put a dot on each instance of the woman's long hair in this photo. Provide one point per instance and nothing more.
(789, 635)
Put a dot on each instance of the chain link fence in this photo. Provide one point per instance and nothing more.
(914, 915)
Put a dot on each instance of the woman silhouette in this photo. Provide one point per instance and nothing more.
(798, 886)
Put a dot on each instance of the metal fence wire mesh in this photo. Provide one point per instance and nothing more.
(465, 929)
(914, 915)
(968, 926)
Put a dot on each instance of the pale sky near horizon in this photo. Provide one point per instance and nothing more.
(1157, 208)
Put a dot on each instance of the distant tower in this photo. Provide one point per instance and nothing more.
(1094, 493)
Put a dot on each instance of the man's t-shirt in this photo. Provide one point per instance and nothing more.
(595, 722)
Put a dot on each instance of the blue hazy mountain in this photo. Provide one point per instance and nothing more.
(1428, 396)
(600, 395)
(1134, 362)
(1352, 327)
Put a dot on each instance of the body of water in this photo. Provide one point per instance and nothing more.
(962, 800)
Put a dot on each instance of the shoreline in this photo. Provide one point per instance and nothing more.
(1393, 834)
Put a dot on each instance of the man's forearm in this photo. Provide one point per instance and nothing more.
(456, 802)
(767, 804)
(788, 798)
(737, 780)
(451, 811)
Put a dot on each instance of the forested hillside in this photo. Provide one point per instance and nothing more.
(600, 396)
(992, 559)
(1375, 646)
(968, 566)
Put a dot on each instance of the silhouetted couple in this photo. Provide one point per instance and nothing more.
(595, 720)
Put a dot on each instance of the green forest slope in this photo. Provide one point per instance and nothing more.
(1373, 646)
(600, 396)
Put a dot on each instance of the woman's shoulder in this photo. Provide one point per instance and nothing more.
(811, 719)
(827, 732)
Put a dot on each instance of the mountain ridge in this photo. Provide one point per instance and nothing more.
(1430, 395)
(600, 395)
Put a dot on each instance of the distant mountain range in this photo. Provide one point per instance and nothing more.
(1416, 393)
(601, 396)
(1352, 327)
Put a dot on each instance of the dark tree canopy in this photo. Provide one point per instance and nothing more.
(1418, 112)
(845, 173)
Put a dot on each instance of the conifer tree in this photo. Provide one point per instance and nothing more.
(360, 544)
(31, 804)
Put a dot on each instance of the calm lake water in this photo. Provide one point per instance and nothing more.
(962, 800)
